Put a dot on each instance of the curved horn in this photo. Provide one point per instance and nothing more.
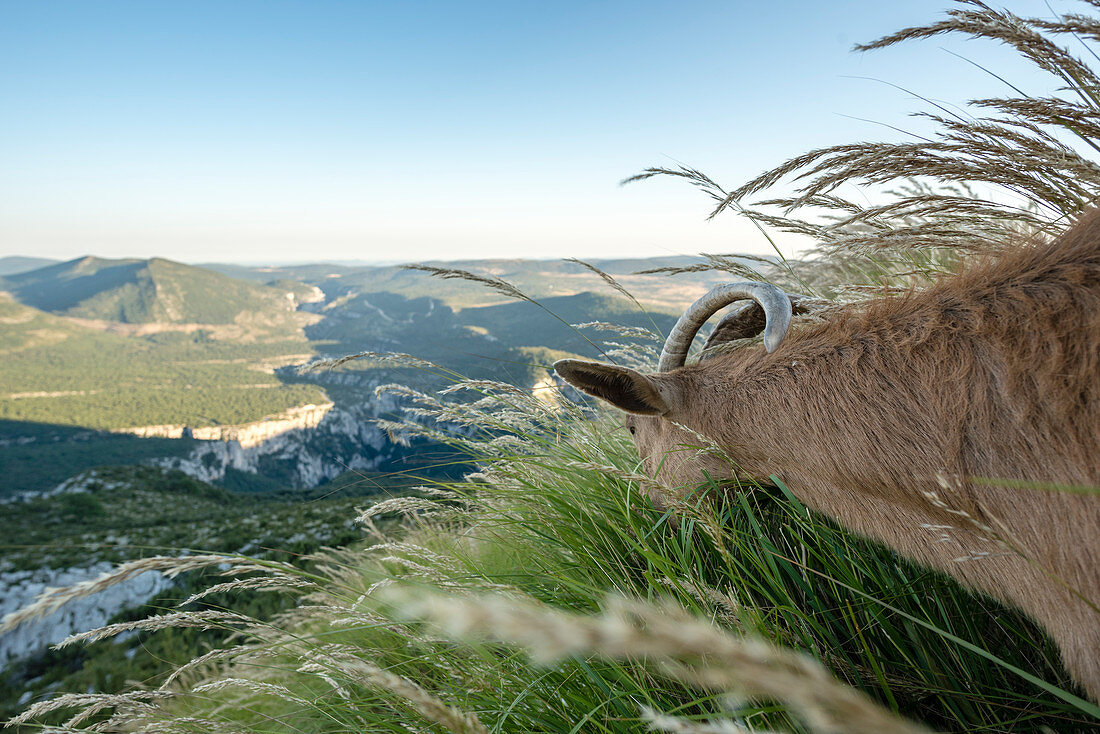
(747, 320)
(777, 315)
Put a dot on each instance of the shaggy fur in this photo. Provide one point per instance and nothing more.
(902, 413)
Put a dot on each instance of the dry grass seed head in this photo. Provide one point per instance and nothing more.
(52, 599)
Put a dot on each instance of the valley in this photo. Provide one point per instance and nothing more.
(151, 407)
(95, 348)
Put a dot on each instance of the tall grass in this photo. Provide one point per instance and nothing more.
(546, 594)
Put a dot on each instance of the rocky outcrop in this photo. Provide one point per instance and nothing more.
(20, 588)
(247, 435)
(307, 295)
(344, 439)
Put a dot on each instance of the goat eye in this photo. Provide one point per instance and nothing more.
(632, 430)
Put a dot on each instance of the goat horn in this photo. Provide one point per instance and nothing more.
(777, 315)
(747, 320)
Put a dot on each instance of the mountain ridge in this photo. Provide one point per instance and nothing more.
(136, 291)
(12, 264)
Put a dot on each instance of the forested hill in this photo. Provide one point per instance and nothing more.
(143, 291)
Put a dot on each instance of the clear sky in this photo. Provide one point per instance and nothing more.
(264, 130)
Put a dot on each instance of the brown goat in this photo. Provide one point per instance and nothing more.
(897, 416)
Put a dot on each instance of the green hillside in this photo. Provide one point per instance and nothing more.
(514, 342)
(55, 371)
(144, 291)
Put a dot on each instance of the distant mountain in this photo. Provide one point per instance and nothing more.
(19, 264)
(143, 291)
(524, 324)
(538, 279)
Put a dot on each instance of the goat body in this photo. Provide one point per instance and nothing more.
(914, 417)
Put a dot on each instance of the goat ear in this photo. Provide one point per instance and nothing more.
(622, 387)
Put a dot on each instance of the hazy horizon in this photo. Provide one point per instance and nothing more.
(4, 258)
(261, 131)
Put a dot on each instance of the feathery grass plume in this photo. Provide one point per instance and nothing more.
(690, 648)
(400, 505)
(183, 725)
(202, 619)
(393, 388)
(500, 286)
(634, 332)
(256, 686)
(615, 471)
(638, 356)
(252, 583)
(497, 394)
(53, 599)
(1038, 152)
(725, 606)
(428, 705)
(618, 287)
(89, 703)
(607, 278)
(731, 264)
(395, 358)
(492, 282)
(217, 655)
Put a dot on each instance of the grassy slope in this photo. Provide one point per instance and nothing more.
(561, 520)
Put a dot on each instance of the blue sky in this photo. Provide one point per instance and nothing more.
(382, 131)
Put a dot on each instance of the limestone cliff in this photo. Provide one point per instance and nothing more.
(247, 435)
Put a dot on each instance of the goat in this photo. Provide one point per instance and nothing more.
(902, 413)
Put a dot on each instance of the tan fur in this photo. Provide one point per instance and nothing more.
(881, 418)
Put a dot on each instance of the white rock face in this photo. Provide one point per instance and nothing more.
(20, 588)
(343, 439)
(73, 485)
(247, 434)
